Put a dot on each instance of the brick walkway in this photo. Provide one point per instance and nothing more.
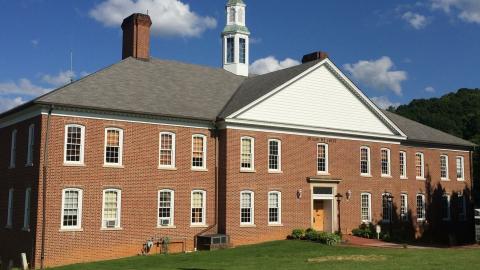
(364, 242)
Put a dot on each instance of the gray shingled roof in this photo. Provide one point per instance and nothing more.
(152, 87)
(417, 132)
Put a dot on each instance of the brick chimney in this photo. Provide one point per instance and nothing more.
(314, 56)
(136, 36)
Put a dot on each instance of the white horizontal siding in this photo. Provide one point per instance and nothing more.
(320, 100)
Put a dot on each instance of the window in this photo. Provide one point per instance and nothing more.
(74, 144)
(403, 207)
(420, 207)
(243, 49)
(167, 150)
(274, 207)
(446, 207)
(71, 209)
(385, 155)
(462, 207)
(365, 207)
(387, 207)
(230, 49)
(403, 164)
(26, 214)
(13, 149)
(30, 145)
(246, 208)
(274, 155)
(364, 160)
(113, 146)
(198, 207)
(460, 169)
(419, 166)
(232, 15)
(444, 167)
(165, 207)
(112, 201)
(247, 154)
(199, 149)
(322, 158)
(10, 208)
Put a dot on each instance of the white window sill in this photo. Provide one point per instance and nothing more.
(113, 166)
(365, 175)
(29, 165)
(247, 171)
(111, 229)
(421, 178)
(167, 227)
(167, 168)
(26, 229)
(403, 178)
(275, 225)
(460, 179)
(199, 169)
(444, 179)
(198, 226)
(322, 173)
(74, 164)
(71, 230)
(386, 176)
(421, 220)
(248, 226)
(275, 171)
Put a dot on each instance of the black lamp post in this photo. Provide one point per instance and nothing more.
(339, 198)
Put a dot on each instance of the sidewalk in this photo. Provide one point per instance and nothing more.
(364, 242)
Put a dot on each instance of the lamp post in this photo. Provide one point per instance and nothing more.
(339, 198)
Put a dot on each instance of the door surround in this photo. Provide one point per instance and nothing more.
(332, 211)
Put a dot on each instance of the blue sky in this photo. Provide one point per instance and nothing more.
(394, 50)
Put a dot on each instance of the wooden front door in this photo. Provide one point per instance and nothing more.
(318, 215)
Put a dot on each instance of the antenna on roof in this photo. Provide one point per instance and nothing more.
(71, 66)
(147, 11)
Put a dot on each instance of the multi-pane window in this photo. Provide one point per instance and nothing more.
(243, 50)
(460, 168)
(199, 149)
(13, 148)
(30, 145)
(385, 160)
(403, 164)
(10, 208)
(365, 160)
(111, 208)
(165, 208)
(71, 208)
(420, 207)
(446, 207)
(26, 213)
(198, 207)
(167, 150)
(246, 207)
(274, 207)
(387, 207)
(403, 207)
(365, 207)
(444, 167)
(322, 158)
(419, 166)
(230, 49)
(113, 146)
(246, 153)
(74, 144)
(462, 207)
(274, 155)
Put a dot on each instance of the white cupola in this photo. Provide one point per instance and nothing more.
(235, 38)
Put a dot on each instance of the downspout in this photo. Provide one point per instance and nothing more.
(44, 188)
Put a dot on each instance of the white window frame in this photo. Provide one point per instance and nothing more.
(422, 164)
(30, 145)
(424, 211)
(446, 168)
(279, 194)
(369, 195)
(27, 209)
(449, 212)
(79, 213)
(172, 156)
(389, 163)
(403, 155)
(13, 149)
(204, 156)
(462, 162)
(404, 201)
(119, 209)
(204, 209)
(279, 157)
(389, 208)
(368, 173)
(10, 208)
(82, 145)
(172, 209)
(252, 156)
(326, 158)
(252, 208)
(120, 147)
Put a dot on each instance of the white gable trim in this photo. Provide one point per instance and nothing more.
(349, 84)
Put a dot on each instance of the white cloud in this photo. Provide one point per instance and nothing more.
(35, 42)
(378, 74)
(62, 78)
(429, 89)
(169, 17)
(415, 20)
(384, 103)
(23, 87)
(270, 64)
(8, 103)
(468, 10)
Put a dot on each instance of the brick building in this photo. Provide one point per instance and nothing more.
(148, 148)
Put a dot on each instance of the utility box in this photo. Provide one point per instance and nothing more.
(477, 225)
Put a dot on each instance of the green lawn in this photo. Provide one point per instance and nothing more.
(295, 255)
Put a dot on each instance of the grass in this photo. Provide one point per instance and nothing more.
(298, 255)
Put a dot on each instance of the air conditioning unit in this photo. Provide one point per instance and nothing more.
(165, 222)
(110, 224)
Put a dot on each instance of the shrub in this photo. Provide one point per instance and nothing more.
(315, 236)
(365, 231)
(297, 234)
